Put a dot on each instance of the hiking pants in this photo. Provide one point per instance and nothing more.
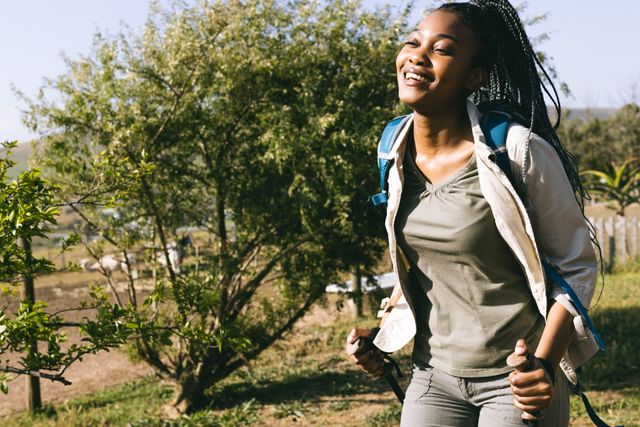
(435, 398)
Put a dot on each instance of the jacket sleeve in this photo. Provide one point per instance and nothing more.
(560, 228)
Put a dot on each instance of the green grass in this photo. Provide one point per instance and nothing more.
(306, 380)
(621, 406)
(617, 317)
(120, 405)
(388, 417)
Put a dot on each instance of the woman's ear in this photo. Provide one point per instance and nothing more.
(477, 78)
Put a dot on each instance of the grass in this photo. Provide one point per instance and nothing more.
(390, 416)
(127, 403)
(306, 380)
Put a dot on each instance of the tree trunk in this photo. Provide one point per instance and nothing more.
(34, 400)
(190, 395)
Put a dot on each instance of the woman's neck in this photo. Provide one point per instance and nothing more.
(438, 132)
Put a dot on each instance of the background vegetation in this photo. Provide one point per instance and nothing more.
(247, 131)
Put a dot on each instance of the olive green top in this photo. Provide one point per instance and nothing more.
(474, 302)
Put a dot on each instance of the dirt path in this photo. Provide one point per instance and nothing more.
(105, 369)
(94, 372)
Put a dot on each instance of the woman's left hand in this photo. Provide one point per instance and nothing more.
(533, 390)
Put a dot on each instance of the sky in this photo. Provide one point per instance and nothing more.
(594, 47)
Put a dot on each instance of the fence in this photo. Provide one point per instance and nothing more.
(618, 237)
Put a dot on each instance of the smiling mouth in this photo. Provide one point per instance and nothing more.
(413, 76)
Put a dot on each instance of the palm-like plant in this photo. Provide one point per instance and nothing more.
(618, 185)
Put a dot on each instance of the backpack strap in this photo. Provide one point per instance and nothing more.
(495, 126)
(595, 419)
(385, 160)
(557, 278)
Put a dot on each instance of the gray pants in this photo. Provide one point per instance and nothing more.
(435, 398)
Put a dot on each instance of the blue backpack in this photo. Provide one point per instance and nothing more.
(495, 125)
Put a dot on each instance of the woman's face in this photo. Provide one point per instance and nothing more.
(435, 67)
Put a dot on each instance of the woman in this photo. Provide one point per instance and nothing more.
(472, 241)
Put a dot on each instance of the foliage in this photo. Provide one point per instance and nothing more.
(618, 184)
(25, 204)
(599, 142)
(26, 210)
(253, 121)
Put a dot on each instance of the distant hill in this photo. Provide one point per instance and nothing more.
(21, 155)
(582, 113)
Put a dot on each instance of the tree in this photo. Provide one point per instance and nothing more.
(27, 209)
(618, 185)
(254, 121)
(598, 142)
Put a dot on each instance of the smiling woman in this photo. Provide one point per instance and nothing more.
(433, 62)
(466, 243)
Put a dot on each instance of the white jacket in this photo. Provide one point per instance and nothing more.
(554, 227)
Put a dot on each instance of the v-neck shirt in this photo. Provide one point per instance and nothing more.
(475, 302)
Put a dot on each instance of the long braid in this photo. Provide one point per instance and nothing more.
(514, 79)
(513, 76)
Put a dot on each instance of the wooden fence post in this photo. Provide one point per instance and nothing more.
(621, 229)
(611, 239)
(634, 237)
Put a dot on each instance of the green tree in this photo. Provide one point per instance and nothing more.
(618, 185)
(255, 121)
(27, 209)
(624, 128)
(599, 142)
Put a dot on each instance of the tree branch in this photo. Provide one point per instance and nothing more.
(52, 377)
(211, 377)
(244, 294)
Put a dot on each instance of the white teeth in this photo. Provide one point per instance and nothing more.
(415, 76)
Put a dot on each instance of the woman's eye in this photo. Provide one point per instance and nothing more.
(411, 43)
(441, 51)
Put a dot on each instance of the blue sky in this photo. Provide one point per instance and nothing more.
(594, 46)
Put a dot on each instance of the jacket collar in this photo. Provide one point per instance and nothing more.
(475, 116)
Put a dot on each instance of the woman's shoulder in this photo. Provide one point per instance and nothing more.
(519, 135)
(521, 139)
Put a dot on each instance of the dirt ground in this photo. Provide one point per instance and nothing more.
(94, 372)
(105, 369)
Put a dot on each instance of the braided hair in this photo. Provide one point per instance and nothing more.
(513, 80)
(512, 74)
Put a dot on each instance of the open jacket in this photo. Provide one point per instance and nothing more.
(552, 226)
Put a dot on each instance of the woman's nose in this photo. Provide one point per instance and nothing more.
(419, 57)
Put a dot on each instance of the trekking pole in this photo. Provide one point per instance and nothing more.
(523, 363)
(361, 346)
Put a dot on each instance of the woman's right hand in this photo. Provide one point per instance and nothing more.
(371, 361)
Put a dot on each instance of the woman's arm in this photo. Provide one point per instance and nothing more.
(533, 390)
(556, 336)
(561, 231)
(563, 238)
